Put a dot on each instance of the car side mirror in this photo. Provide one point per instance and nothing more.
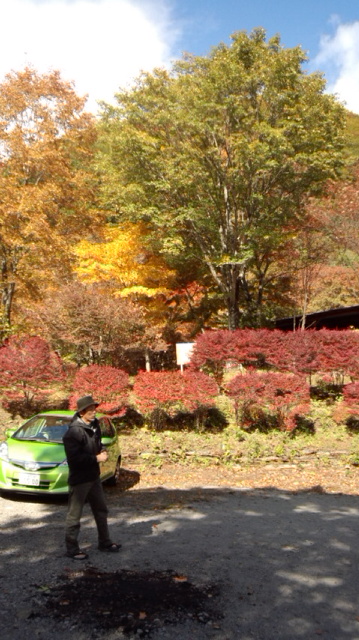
(10, 431)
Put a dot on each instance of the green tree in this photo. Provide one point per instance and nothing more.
(219, 156)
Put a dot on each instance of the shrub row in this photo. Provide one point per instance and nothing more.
(334, 354)
(260, 398)
(277, 396)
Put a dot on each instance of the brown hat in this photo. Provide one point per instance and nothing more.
(85, 402)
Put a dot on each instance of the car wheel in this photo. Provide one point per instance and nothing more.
(113, 480)
(117, 473)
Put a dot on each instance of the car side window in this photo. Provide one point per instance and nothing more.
(107, 428)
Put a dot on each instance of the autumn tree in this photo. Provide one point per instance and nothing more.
(174, 305)
(47, 190)
(218, 157)
(323, 256)
(304, 263)
(87, 325)
(338, 216)
(335, 285)
(193, 307)
(322, 263)
(121, 259)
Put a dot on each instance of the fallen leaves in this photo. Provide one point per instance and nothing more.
(316, 477)
(180, 578)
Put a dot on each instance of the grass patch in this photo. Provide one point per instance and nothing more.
(233, 445)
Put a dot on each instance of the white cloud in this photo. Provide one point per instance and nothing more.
(99, 44)
(339, 58)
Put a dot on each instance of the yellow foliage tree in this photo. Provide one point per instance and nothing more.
(122, 260)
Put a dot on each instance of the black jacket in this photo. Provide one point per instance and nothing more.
(82, 443)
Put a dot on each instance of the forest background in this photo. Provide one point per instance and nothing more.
(214, 198)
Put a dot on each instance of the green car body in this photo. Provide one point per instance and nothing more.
(33, 460)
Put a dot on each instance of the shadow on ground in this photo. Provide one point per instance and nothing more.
(284, 565)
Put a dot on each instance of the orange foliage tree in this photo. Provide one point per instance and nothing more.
(46, 186)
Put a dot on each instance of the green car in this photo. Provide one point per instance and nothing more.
(33, 460)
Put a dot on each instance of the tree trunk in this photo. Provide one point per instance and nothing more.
(233, 315)
(147, 360)
(6, 301)
(304, 312)
(232, 281)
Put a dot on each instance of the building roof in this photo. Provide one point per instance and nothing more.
(340, 318)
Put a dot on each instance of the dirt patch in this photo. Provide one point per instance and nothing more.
(332, 477)
(129, 601)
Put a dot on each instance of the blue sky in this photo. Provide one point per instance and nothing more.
(327, 30)
(103, 44)
(303, 22)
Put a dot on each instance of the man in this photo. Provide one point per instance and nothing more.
(84, 452)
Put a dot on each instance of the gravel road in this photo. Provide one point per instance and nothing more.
(285, 564)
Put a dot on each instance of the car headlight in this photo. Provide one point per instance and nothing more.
(4, 451)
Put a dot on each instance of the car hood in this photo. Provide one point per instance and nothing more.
(39, 451)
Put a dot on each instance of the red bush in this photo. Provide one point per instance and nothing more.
(325, 351)
(108, 385)
(338, 353)
(215, 350)
(27, 365)
(308, 352)
(292, 351)
(347, 411)
(258, 396)
(295, 351)
(212, 350)
(351, 393)
(173, 391)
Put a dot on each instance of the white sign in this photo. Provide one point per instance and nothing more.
(184, 352)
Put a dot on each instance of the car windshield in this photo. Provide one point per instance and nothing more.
(43, 428)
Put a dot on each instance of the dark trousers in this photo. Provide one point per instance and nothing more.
(93, 493)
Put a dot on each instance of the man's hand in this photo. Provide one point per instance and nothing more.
(102, 456)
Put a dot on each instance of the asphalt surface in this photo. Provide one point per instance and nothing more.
(285, 564)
